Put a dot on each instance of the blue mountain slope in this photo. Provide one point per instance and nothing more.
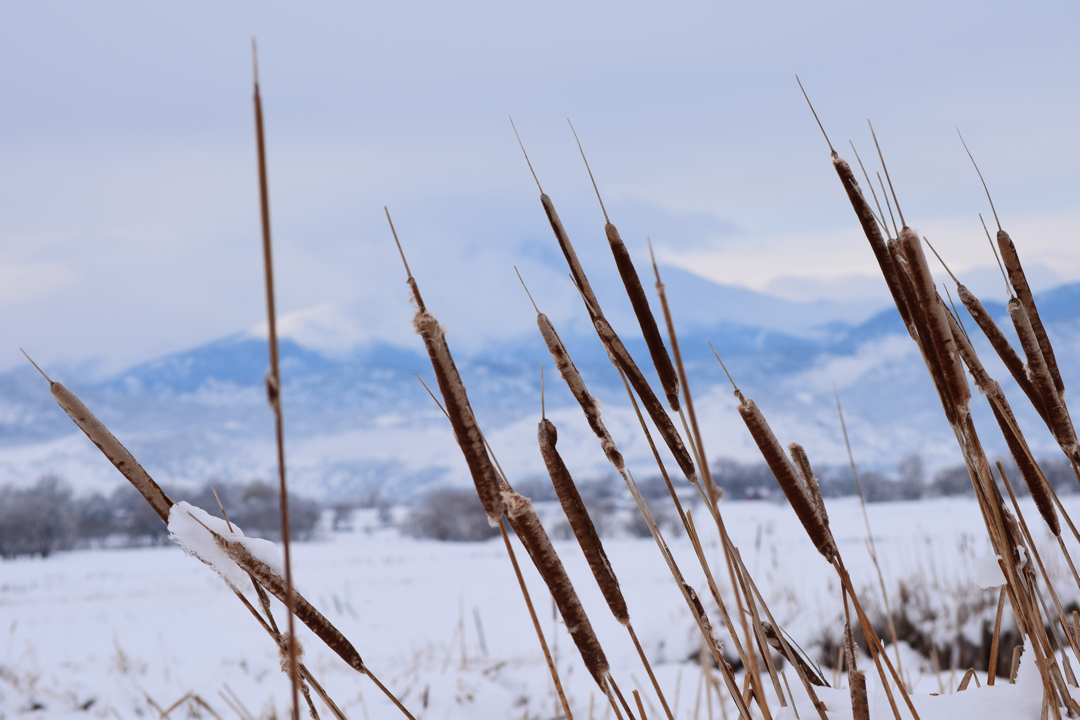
(199, 413)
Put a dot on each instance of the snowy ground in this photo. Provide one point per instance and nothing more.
(128, 633)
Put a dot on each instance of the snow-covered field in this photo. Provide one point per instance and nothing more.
(129, 633)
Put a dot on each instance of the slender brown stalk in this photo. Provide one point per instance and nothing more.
(617, 351)
(536, 622)
(669, 381)
(1023, 291)
(488, 484)
(871, 545)
(1014, 438)
(262, 575)
(710, 495)
(273, 382)
(940, 333)
(867, 220)
(1001, 346)
(1018, 280)
(1058, 416)
(1062, 618)
(860, 706)
(572, 377)
(995, 643)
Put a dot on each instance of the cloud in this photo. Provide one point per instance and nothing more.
(26, 282)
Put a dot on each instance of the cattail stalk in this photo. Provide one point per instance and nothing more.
(860, 707)
(798, 495)
(536, 621)
(940, 335)
(117, 454)
(1018, 280)
(710, 495)
(1062, 617)
(1058, 416)
(669, 381)
(1001, 345)
(867, 221)
(488, 484)
(527, 525)
(618, 353)
(578, 516)
(665, 371)
(1014, 439)
(273, 385)
(871, 545)
(922, 333)
(873, 235)
(572, 377)
(162, 504)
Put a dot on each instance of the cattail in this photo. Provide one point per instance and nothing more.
(922, 331)
(614, 346)
(1029, 469)
(865, 215)
(805, 508)
(117, 454)
(578, 516)
(1019, 282)
(573, 380)
(1058, 416)
(1001, 345)
(860, 706)
(527, 525)
(160, 502)
(669, 380)
(470, 440)
(568, 250)
(304, 610)
(458, 410)
(937, 323)
(810, 481)
(1036, 482)
(967, 353)
(649, 400)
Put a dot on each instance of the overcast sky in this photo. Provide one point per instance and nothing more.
(128, 203)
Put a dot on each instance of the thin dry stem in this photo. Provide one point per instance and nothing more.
(536, 621)
(886, 169)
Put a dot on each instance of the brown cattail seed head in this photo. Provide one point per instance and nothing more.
(466, 431)
(941, 338)
(117, 454)
(1057, 416)
(669, 380)
(785, 475)
(580, 522)
(1011, 259)
(589, 405)
(531, 533)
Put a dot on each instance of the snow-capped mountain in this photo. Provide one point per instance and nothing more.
(359, 419)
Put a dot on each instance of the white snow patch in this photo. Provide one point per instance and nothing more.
(195, 540)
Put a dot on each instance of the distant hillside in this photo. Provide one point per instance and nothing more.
(362, 420)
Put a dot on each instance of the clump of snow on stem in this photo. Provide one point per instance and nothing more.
(190, 527)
